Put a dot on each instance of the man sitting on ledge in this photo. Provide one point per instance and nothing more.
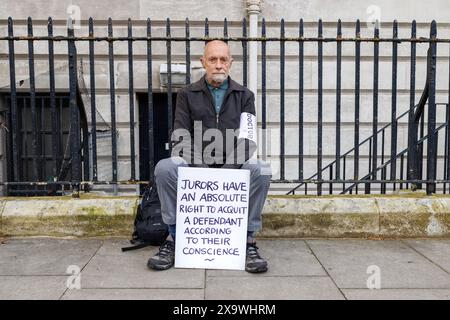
(211, 108)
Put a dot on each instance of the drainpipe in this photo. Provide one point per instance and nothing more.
(253, 10)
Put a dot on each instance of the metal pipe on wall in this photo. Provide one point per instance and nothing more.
(253, 10)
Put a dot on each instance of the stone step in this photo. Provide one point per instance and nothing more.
(405, 214)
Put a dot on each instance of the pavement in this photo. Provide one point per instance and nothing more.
(49, 268)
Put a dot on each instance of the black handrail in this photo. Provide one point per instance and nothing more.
(349, 151)
(384, 165)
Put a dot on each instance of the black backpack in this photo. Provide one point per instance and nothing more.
(149, 228)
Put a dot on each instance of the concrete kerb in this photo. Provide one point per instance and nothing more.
(66, 216)
(319, 217)
(2, 207)
(412, 214)
(408, 215)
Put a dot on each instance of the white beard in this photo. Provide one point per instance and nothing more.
(219, 78)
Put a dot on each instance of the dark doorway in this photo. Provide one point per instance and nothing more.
(43, 167)
(160, 134)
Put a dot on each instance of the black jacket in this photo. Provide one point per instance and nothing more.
(195, 103)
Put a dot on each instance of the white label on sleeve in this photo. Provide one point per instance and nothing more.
(247, 127)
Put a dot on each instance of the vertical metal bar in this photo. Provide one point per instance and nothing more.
(437, 143)
(344, 172)
(282, 129)
(188, 53)
(263, 90)
(401, 170)
(206, 28)
(300, 101)
(51, 66)
(112, 91)
(432, 136)
(169, 86)
(85, 147)
(394, 105)
(225, 28)
(74, 119)
(420, 150)
(357, 101)
(8, 146)
(151, 155)
(319, 113)
(61, 155)
(131, 96)
(244, 53)
(383, 185)
(41, 140)
(25, 157)
(34, 146)
(447, 144)
(93, 105)
(330, 187)
(14, 111)
(375, 103)
(412, 141)
(338, 99)
(367, 185)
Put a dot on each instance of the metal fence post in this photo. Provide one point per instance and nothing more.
(74, 120)
(412, 138)
(432, 135)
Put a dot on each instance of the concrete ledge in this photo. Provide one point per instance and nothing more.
(67, 216)
(381, 216)
(357, 216)
(319, 217)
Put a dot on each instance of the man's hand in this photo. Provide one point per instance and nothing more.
(231, 166)
(201, 165)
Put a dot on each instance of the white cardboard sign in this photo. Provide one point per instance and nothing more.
(212, 217)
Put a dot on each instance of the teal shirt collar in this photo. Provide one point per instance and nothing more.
(223, 86)
(218, 94)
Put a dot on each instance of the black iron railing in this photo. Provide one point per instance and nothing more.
(83, 160)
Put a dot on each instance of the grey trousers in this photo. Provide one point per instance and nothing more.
(166, 177)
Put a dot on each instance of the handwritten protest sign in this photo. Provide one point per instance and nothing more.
(212, 214)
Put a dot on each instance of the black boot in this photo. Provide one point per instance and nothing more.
(253, 262)
(165, 258)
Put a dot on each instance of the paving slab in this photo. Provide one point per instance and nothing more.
(436, 250)
(36, 268)
(352, 262)
(134, 294)
(261, 288)
(285, 258)
(112, 268)
(397, 294)
(32, 287)
(44, 256)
